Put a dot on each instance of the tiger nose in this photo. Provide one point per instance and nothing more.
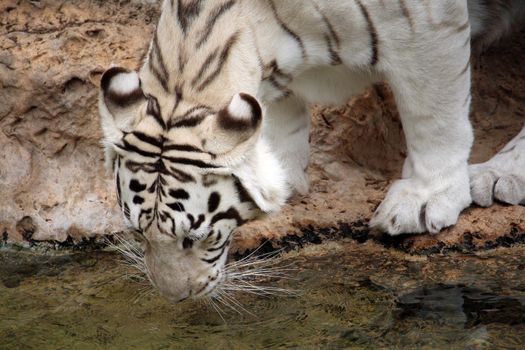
(195, 224)
(197, 230)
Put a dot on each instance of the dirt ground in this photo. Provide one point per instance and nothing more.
(52, 182)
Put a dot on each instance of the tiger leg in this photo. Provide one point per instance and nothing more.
(288, 129)
(502, 177)
(435, 184)
(433, 95)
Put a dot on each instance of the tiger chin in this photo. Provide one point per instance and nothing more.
(213, 130)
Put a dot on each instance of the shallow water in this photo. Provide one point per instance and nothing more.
(348, 295)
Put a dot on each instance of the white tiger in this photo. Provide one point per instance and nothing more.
(213, 130)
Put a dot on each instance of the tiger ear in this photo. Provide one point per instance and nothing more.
(235, 124)
(120, 96)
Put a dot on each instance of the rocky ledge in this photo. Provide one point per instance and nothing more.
(54, 188)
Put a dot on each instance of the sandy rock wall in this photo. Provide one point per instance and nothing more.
(52, 181)
(52, 54)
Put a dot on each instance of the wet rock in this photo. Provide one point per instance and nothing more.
(26, 228)
(461, 305)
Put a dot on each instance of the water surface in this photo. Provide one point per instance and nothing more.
(349, 295)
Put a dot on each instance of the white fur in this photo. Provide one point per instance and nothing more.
(239, 108)
(264, 178)
(125, 83)
(289, 53)
(424, 58)
(424, 72)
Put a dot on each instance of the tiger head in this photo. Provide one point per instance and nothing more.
(186, 182)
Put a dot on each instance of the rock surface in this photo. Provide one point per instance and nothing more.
(53, 185)
(52, 54)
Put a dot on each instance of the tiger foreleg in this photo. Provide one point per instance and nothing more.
(434, 110)
(287, 129)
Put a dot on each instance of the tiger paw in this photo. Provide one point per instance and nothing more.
(488, 184)
(410, 207)
(501, 178)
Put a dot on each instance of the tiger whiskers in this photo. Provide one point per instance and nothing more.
(249, 275)
(246, 274)
(133, 257)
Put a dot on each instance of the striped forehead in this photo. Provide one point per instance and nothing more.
(185, 28)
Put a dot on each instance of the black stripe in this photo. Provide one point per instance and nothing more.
(180, 175)
(187, 243)
(243, 194)
(136, 186)
(273, 66)
(162, 75)
(153, 109)
(216, 13)
(132, 148)
(135, 167)
(205, 66)
(225, 53)
(162, 230)
(126, 212)
(183, 59)
(147, 139)
(178, 98)
(138, 200)
(213, 202)
(278, 71)
(330, 27)
(177, 206)
(173, 228)
(186, 13)
(195, 225)
(217, 257)
(179, 194)
(373, 33)
(188, 122)
(183, 148)
(202, 288)
(126, 99)
(334, 54)
(335, 59)
(285, 92)
(288, 30)
(406, 14)
(146, 213)
(193, 109)
(214, 249)
(230, 214)
(187, 161)
(119, 191)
